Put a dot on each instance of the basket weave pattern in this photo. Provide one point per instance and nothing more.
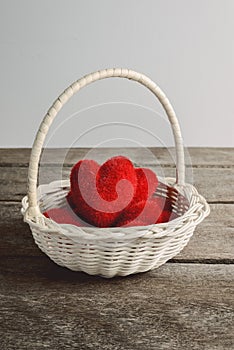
(111, 251)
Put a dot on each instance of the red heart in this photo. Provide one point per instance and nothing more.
(100, 194)
(116, 179)
(147, 215)
(64, 216)
(164, 203)
(83, 196)
(153, 212)
(166, 216)
(147, 183)
(134, 223)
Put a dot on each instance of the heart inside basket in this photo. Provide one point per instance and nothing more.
(171, 199)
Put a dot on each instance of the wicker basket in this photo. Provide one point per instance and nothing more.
(111, 251)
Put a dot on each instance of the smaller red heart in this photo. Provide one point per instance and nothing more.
(135, 223)
(165, 216)
(164, 203)
(89, 215)
(135, 214)
(147, 183)
(64, 216)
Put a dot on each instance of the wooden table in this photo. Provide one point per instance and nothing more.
(186, 304)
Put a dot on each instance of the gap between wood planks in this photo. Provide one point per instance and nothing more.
(198, 156)
(202, 261)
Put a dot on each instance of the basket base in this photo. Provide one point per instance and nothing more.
(116, 266)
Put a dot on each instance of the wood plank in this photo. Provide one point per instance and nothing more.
(215, 184)
(15, 235)
(210, 242)
(185, 306)
(213, 239)
(200, 157)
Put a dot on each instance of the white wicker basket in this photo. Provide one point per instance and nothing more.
(111, 251)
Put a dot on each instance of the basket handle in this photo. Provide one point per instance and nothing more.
(33, 209)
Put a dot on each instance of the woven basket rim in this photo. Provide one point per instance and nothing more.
(198, 209)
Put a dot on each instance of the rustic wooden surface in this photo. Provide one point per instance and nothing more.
(186, 304)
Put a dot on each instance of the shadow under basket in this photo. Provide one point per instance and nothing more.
(117, 250)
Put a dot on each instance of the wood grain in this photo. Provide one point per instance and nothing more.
(208, 157)
(44, 306)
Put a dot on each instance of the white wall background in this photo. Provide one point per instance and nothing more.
(185, 46)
